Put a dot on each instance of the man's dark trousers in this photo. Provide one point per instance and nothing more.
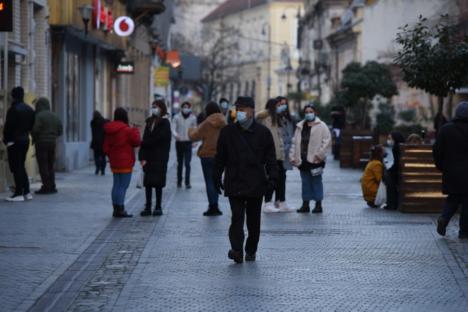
(45, 154)
(16, 160)
(184, 157)
(240, 207)
(450, 208)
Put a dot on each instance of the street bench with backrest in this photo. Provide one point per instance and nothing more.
(420, 181)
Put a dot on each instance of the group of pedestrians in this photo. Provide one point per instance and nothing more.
(23, 122)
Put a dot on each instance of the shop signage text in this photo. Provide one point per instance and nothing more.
(125, 68)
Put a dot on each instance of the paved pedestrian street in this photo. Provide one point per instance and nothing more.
(65, 253)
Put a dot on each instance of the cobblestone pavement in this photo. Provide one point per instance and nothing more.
(351, 258)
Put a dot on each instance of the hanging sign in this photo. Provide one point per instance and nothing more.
(124, 26)
(125, 68)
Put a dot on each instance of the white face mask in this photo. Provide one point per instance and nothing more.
(186, 111)
(155, 112)
(390, 143)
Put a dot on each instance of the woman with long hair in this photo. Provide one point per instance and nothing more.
(277, 119)
(154, 155)
(208, 132)
(120, 142)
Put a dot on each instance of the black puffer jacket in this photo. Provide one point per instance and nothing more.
(451, 156)
(155, 148)
(248, 160)
(97, 131)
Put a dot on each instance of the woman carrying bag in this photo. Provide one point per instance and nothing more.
(154, 155)
(308, 153)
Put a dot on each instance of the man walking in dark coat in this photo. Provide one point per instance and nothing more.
(47, 128)
(451, 155)
(246, 155)
(18, 125)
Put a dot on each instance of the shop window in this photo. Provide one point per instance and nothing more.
(73, 125)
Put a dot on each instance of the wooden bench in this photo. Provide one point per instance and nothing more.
(353, 153)
(420, 181)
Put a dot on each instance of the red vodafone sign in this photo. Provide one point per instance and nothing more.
(124, 26)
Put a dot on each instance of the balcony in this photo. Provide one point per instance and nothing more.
(147, 7)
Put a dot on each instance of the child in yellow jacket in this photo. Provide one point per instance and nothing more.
(373, 175)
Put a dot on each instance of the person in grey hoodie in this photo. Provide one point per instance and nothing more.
(47, 128)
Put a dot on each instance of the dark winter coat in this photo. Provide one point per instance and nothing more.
(120, 142)
(47, 126)
(97, 131)
(451, 156)
(19, 123)
(248, 160)
(154, 150)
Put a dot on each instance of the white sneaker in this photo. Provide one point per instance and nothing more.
(270, 208)
(284, 207)
(28, 196)
(17, 198)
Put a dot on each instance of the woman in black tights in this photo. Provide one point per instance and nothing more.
(154, 155)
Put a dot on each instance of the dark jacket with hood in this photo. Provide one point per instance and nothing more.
(19, 122)
(451, 154)
(155, 148)
(248, 160)
(47, 126)
(97, 132)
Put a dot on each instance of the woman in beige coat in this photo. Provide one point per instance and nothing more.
(308, 153)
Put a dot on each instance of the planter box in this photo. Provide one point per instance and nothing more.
(420, 181)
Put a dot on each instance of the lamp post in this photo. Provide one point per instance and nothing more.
(86, 11)
(268, 27)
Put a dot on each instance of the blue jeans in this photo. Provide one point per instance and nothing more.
(450, 208)
(119, 188)
(207, 166)
(312, 186)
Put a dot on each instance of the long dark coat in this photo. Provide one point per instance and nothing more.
(155, 149)
(451, 157)
(97, 133)
(248, 160)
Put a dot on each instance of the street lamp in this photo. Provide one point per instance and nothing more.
(86, 11)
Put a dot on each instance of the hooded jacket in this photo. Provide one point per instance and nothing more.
(120, 142)
(320, 140)
(47, 126)
(208, 132)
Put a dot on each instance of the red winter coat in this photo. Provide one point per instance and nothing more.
(120, 142)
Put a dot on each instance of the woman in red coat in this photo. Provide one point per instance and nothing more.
(120, 142)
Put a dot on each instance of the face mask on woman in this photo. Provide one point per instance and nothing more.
(310, 116)
(390, 143)
(186, 110)
(155, 112)
(281, 109)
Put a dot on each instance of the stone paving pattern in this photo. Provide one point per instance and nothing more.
(351, 258)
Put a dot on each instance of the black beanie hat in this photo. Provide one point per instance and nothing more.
(245, 101)
(17, 94)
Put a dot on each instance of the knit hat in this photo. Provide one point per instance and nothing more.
(245, 101)
(462, 111)
(17, 93)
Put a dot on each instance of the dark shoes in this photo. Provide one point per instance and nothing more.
(441, 226)
(250, 258)
(303, 209)
(119, 212)
(188, 186)
(146, 212)
(213, 210)
(237, 256)
(318, 207)
(157, 212)
(45, 191)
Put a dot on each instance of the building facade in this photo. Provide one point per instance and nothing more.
(267, 54)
